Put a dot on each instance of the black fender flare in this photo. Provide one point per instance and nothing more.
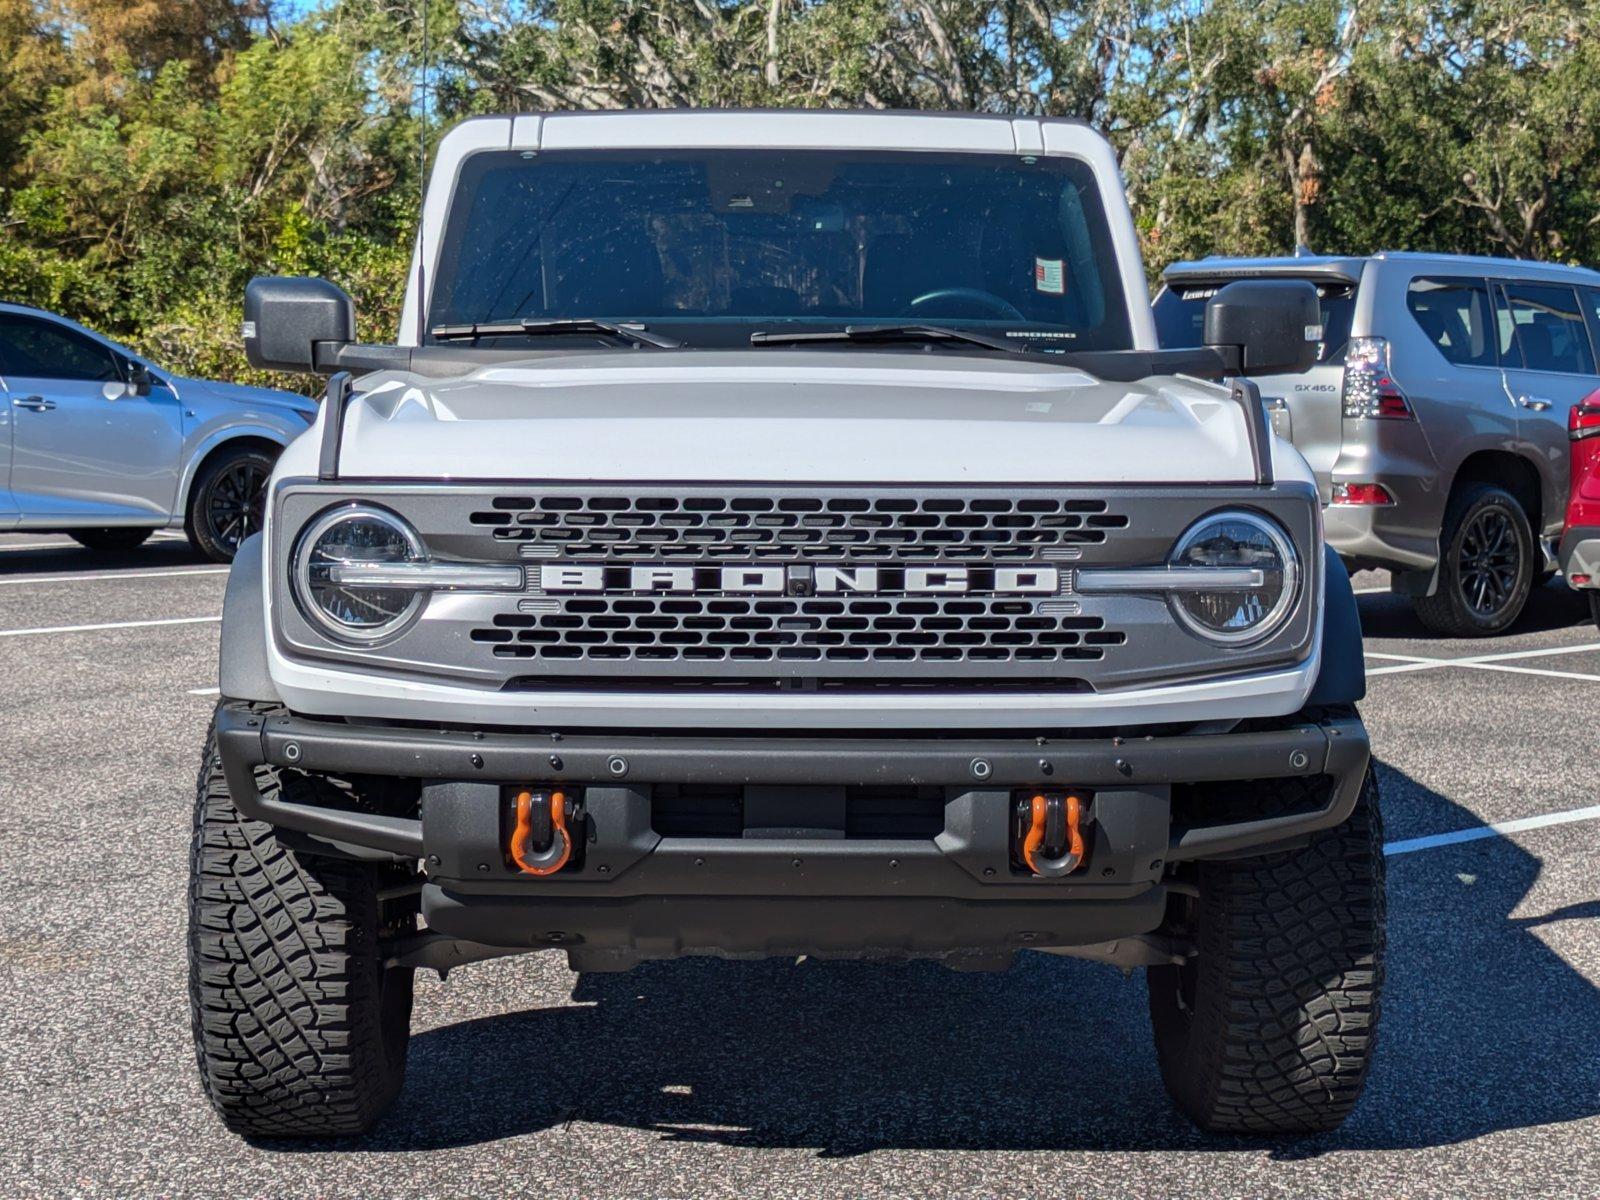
(1342, 678)
(242, 662)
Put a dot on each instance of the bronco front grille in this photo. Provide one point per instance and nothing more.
(928, 629)
(678, 631)
(733, 529)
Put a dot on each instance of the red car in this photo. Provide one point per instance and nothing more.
(1580, 540)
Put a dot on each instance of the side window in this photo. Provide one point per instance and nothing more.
(1550, 329)
(1457, 317)
(35, 349)
(1591, 301)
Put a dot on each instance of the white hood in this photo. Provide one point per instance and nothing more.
(797, 416)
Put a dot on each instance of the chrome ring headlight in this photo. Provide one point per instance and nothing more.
(1235, 615)
(355, 535)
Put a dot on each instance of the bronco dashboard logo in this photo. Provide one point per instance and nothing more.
(803, 579)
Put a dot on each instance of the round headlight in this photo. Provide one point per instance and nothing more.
(353, 536)
(1260, 601)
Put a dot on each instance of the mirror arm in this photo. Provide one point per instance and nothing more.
(359, 357)
(1247, 396)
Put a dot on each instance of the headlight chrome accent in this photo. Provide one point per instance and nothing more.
(354, 536)
(1232, 578)
(428, 576)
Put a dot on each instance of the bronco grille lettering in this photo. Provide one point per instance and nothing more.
(823, 581)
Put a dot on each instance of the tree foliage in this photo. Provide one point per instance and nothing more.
(156, 153)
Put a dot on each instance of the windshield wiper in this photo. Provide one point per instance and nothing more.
(636, 335)
(932, 334)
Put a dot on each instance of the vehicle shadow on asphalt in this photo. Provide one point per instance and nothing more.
(21, 559)
(1553, 606)
(1484, 1028)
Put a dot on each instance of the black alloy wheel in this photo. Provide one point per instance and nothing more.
(1489, 563)
(229, 500)
(1487, 557)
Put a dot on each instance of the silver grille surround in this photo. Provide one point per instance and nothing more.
(530, 638)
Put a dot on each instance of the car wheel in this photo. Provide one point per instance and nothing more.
(110, 541)
(300, 1025)
(227, 501)
(1486, 567)
(1594, 608)
(1270, 1028)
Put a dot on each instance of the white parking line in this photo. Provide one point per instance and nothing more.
(1578, 675)
(210, 691)
(108, 625)
(1497, 829)
(92, 576)
(1416, 662)
(30, 547)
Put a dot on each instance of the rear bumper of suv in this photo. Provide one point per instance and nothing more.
(656, 879)
(1580, 554)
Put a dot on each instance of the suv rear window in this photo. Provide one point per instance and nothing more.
(1180, 313)
(1457, 318)
(1550, 330)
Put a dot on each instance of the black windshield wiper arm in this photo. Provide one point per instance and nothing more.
(884, 333)
(636, 335)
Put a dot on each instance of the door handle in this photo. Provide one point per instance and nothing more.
(33, 403)
(1536, 403)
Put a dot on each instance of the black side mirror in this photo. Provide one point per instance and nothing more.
(292, 323)
(1273, 325)
(140, 381)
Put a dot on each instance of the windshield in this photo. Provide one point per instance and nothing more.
(1180, 313)
(713, 245)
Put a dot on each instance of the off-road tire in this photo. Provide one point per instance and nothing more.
(299, 1029)
(1270, 1028)
(1447, 612)
(225, 503)
(115, 540)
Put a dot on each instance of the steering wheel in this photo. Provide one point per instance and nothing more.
(988, 301)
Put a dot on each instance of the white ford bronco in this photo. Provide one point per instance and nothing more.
(779, 534)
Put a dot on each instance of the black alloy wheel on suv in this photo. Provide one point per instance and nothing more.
(228, 500)
(1486, 565)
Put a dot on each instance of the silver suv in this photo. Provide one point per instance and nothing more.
(107, 447)
(1435, 419)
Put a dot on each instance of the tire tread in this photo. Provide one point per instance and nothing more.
(1287, 1001)
(288, 1023)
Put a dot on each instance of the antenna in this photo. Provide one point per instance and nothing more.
(422, 183)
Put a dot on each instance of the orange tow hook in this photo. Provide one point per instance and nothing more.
(1052, 839)
(541, 808)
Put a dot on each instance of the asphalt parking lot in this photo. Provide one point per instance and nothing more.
(704, 1078)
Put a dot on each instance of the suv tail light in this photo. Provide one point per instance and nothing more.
(1368, 389)
(1368, 494)
(1583, 421)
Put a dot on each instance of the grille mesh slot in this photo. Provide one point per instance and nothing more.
(606, 528)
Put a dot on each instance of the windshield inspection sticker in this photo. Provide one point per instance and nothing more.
(1050, 276)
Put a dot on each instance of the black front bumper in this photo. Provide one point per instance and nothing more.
(637, 893)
